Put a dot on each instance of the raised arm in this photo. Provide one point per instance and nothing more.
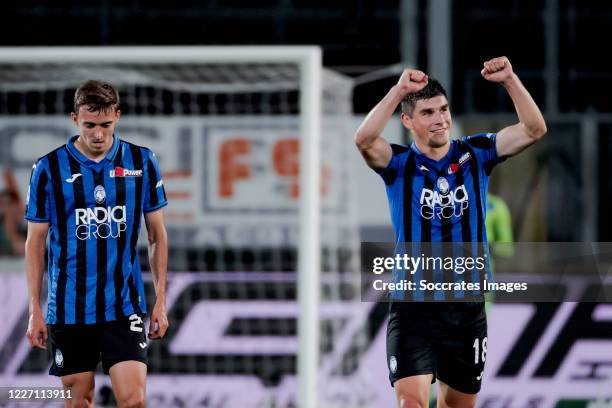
(375, 150)
(158, 259)
(35, 264)
(531, 126)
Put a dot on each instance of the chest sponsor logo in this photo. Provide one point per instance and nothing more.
(100, 222)
(454, 167)
(121, 172)
(464, 158)
(444, 202)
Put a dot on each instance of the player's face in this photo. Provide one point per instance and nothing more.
(430, 122)
(96, 129)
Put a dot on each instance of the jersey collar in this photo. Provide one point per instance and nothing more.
(110, 156)
(438, 164)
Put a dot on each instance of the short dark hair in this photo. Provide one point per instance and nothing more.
(98, 96)
(432, 89)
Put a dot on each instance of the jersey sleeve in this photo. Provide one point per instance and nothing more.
(389, 173)
(37, 200)
(155, 193)
(484, 147)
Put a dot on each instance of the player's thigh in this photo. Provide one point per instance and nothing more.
(448, 397)
(411, 360)
(462, 356)
(413, 392)
(81, 388)
(128, 379)
(124, 340)
(124, 358)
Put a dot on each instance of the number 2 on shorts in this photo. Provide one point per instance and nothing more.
(135, 321)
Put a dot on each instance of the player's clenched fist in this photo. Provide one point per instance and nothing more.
(497, 69)
(412, 81)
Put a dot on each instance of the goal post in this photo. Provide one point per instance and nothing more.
(309, 264)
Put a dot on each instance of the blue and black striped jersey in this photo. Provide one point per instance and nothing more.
(441, 202)
(94, 211)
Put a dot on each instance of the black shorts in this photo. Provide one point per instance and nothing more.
(448, 340)
(79, 348)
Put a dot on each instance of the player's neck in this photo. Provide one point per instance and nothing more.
(93, 156)
(433, 153)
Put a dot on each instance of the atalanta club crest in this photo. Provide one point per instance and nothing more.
(59, 358)
(443, 185)
(393, 364)
(99, 194)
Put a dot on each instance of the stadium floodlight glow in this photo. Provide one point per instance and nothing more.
(308, 60)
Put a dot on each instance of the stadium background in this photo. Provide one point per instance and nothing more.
(233, 342)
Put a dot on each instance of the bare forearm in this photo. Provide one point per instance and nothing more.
(528, 112)
(375, 122)
(34, 255)
(158, 258)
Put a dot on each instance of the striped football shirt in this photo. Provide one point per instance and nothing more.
(441, 202)
(94, 211)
